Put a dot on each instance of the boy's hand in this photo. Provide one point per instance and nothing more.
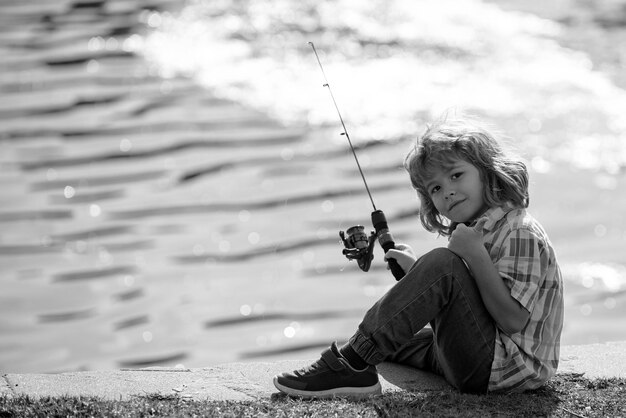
(465, 242)
(404, 255)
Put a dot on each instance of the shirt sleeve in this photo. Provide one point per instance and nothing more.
(520, 266)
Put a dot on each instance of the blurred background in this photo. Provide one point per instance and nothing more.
(173, 179)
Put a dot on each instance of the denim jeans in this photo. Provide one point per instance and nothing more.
(438, 289)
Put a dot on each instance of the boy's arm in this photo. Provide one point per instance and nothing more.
(508, 313)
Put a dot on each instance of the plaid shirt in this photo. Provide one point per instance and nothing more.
(522, 253)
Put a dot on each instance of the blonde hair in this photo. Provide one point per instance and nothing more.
(445, 141)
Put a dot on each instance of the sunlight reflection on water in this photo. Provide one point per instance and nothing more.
(392, 64)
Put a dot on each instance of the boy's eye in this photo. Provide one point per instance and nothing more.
(457, 175)
(434, 190)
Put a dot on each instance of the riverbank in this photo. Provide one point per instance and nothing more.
(583, 370)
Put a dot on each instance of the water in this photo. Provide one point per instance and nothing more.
(173, 179)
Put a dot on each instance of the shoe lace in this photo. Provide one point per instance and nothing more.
(316, 366)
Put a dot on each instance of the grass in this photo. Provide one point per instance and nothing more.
(567, 395)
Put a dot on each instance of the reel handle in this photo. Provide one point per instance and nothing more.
(386, 241)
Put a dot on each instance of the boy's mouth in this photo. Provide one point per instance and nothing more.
(455, 204)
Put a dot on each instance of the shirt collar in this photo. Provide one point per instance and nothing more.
(488, 220)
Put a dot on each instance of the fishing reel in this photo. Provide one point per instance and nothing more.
(360, 247)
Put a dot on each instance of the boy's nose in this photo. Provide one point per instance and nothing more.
(450, 194)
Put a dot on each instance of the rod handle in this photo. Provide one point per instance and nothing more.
(386, 241)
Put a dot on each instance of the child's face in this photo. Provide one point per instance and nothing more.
(457, 192)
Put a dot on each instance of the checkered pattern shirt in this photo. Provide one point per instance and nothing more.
(522, 253)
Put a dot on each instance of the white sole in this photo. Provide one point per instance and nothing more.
(347, 392)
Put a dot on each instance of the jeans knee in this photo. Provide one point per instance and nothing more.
(442, 261)
(440, 252)
(441, 256)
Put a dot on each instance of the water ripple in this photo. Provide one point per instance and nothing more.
(93, 233)
(321, 344)
(122, 179)
(30, 249)
(35, 215)
(154, 360)
(94, 274)
(259, 204)
(280, 316)
(131, 294)
(258, 252)
(258, 141)
(66, 316)
(272, 160)
(82, 197)
(131, 322)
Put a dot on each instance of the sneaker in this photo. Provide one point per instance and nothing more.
(328, 377)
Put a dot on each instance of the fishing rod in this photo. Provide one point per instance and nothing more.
(358, 246)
